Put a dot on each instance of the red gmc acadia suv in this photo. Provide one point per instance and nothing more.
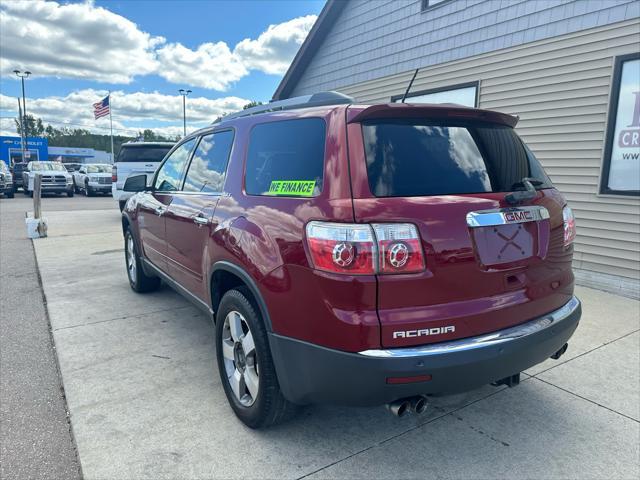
(359, 255)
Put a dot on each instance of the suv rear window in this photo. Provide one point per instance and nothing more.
(286, 158)
(143, 154)
(406, 159)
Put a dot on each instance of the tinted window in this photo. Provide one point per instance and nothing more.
(291, 150)
(408, 159)
(209, 164)
(170, 173)
(143, 154)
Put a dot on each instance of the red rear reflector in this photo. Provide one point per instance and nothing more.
(400, 380)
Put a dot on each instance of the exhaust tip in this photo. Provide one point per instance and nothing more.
(419, 404)
(560, 352)
(399, 408)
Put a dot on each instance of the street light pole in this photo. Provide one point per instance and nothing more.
(184, 94)
(22, 76)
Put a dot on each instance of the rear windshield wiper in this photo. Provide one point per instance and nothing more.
(529, 193)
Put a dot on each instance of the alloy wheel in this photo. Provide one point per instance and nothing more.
(240, 358)
(131, 259)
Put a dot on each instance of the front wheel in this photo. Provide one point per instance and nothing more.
(9, 194)
(138, 280)
(245, 364)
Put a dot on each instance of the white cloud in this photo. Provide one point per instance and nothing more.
(76, 40)
(273, 50)
(131, 111)
(81, 40)
(212, 65)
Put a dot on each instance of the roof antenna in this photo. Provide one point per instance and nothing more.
(409, 86)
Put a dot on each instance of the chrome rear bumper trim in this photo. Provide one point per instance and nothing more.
(482, 341)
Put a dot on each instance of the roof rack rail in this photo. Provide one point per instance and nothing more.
(315, 100)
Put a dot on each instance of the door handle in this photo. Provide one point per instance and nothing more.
(160, 210)
(200, 220)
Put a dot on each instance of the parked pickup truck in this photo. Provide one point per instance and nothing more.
(93, 178)
(55, 178)
(6, 181)
(359, 254)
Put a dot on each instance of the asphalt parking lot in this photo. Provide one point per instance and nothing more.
(145, 400)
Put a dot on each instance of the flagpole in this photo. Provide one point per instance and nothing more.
(111, 123)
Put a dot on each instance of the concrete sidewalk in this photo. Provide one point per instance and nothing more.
(146, 402)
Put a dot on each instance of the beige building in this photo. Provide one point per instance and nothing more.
(570, 69)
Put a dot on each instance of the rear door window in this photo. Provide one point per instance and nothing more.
(407, 159)
(143, 154)
(209, 164)
(286, 158)
(170, 173)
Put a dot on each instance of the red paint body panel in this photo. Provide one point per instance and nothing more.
(463, 284)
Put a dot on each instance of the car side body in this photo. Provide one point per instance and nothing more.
(480, 307)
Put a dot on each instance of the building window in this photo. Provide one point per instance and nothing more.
(426, 4)
(621, 161)
(466, 95)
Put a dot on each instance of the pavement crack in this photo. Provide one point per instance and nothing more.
(445, 413)
(135, 315)
(586, 353)
(586, 399)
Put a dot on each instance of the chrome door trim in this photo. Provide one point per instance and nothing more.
(482, 341)
(506, 216)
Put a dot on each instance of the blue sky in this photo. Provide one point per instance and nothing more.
(145, 51)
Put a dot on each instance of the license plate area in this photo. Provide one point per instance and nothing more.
(508, 237)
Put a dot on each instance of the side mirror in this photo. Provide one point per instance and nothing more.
(136, 183)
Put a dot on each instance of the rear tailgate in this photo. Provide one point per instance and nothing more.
(488, 265)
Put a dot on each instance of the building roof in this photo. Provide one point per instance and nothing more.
(318, 33)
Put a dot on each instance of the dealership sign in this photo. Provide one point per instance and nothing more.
(621, 174)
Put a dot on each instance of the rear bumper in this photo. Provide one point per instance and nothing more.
(312, 374)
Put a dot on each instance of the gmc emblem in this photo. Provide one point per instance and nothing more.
(518, 217)
(424, 332)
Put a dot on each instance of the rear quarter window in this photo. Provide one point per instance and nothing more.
(286, 158)
(407, 159)
(143, 154)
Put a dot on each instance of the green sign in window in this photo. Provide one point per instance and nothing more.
(294, 188)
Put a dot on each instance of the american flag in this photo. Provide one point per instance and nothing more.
(101, 109)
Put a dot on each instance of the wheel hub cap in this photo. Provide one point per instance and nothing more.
(240, 359)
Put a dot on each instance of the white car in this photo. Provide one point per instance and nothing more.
(55, 178)
(136, 158)
(92, 178)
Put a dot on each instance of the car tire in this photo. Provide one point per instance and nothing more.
(70, 193)
(121, 204)
(139, 281)
(10, 194)
(87, 190)
(25, 191)
(244, 361)
(75, 187)
(30, 193)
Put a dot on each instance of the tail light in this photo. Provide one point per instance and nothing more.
(342, 248)
(362, 249)
(399, 249)
(114, 174)
(569, 226)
